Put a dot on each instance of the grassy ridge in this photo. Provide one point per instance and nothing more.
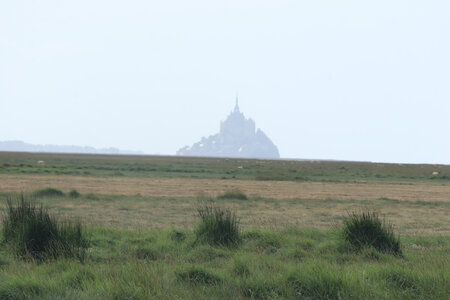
(289, 264)
(219, 168)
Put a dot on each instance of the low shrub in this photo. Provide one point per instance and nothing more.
(48, 192)
(233, 194)
(218, 226)
(74, 194)
(34, 234)
(365, 229)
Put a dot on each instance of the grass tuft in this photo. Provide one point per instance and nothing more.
(365, 230)
(34, 234)
(218, 226)
(48, 192)
(233, 194)
(74, 194)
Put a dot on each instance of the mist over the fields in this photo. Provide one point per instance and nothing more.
(328, 79)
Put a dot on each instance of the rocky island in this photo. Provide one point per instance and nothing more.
(238, 137)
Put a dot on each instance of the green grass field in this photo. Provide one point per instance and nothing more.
(192, 167)
(145, 247)
(295, 263)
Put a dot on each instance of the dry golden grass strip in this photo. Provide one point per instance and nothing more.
(140, 212)
(416, 208)
(186, 187)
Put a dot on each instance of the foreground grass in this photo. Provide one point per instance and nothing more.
(289, 264)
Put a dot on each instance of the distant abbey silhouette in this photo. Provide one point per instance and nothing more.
(238, 137)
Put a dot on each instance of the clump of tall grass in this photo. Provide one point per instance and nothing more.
(218, 226)
(32, 233)
(233, 194)
(74, 194)
(365, 230)
(48, 192)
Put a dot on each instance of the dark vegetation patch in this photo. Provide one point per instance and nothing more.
(233, 194)
(366, 229)
(48, 192)
(74, 194)
(32, 233)
(218, 226)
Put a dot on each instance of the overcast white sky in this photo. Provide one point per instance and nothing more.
(350, 80)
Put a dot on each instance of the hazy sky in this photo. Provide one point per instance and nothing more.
(351, 80)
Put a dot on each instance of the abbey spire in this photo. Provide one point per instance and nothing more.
(236, 107)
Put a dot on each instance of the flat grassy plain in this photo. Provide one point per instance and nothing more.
(140, 213)
(193, 167)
